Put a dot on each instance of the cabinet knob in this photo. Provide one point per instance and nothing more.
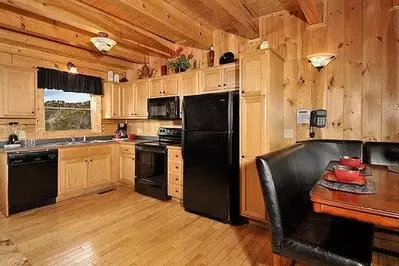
(243, 156)
(160, 92)
(224, 85)
(177, 156)
(33, 112)
(91, 160)
(219, 86)
(86, 161)
(242, 91)
(176, 191)
(176, 179)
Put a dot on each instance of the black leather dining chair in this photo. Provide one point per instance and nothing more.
(287, 177)
(381, 153)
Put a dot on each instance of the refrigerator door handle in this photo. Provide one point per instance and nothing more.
(183, 136)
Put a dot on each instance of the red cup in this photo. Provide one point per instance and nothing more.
(350, 161)
(346, 174)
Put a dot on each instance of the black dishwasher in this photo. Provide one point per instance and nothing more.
(32, 180)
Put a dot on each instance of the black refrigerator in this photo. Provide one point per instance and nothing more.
(210, 144)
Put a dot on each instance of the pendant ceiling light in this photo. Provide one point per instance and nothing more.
(320, 60)
(102, 42)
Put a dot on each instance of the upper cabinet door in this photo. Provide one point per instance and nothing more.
(169, 86)
(253, 126)
(106, 101)
(211, 80)
(156, 88)
(140, 99)
(116, 101)
(188, 84)
(231, 77)
(19, 87)
(127, 100)
(252, 81)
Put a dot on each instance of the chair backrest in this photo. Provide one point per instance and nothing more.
(287, 176)
(381, 153)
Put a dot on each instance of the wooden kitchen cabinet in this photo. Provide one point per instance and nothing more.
(170, 86)
(225, 77)
(127, 164)
(188, 84)
(175, 172)
(127, 100)
(258, 70)
(111, 100)
(156, 87)
(99, 170)
(141, 95)
(18, 92)
(231, 77)
(261, 122)
(73, 175)
(82, 169)
(252, 203)
(211, 80)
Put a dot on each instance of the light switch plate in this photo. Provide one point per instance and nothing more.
(288, 133)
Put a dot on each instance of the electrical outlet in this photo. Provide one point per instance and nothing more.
(288, 133)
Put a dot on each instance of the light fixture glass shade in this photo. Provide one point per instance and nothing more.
(103, 44)
(320, 60)
(73, 70)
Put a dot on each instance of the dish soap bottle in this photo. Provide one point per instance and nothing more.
(211, 57)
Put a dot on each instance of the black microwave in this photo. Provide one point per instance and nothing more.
(167, 108)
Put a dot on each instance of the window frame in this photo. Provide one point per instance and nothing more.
(95, 120)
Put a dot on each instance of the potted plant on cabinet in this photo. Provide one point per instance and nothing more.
(181, 62)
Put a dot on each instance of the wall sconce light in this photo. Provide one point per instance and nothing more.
(320, 60)
(72, 68)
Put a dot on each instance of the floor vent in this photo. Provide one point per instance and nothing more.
(106, 191)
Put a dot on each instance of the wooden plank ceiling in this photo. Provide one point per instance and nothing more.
(141, 28)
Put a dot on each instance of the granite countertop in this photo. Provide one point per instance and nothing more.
(53, 144)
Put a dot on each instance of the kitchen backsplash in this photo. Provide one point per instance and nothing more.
(139, 127)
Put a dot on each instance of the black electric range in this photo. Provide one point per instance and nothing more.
(152, 163)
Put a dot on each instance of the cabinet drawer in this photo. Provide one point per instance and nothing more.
(175, 178)
(175, 166)
(175, 191)
(175, 155)
(100, 150)
(129, 149)
(72, 153)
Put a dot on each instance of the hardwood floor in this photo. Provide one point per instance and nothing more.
(125, 228)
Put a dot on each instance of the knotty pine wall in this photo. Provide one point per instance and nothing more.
(360, 89)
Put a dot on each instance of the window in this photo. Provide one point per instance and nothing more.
(67, 110)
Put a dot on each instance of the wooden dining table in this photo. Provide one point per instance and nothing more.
(380, 209)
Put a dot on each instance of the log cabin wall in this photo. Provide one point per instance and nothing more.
(359, 89)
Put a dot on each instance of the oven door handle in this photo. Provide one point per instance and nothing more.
(150, 149)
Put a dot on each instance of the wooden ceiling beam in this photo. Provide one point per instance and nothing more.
(162, 17)
(311, 11)
(51, 47)
(92, 20)
(50, 29)
(247, 25)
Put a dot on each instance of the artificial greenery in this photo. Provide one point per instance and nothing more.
(182, 62)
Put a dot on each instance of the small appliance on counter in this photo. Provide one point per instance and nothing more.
(121, 132)
(152, 163)
(13, 129)
(166, 108)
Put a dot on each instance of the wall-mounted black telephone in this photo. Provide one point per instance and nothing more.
(318, 118)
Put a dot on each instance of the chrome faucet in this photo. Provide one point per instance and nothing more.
(72, 137)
